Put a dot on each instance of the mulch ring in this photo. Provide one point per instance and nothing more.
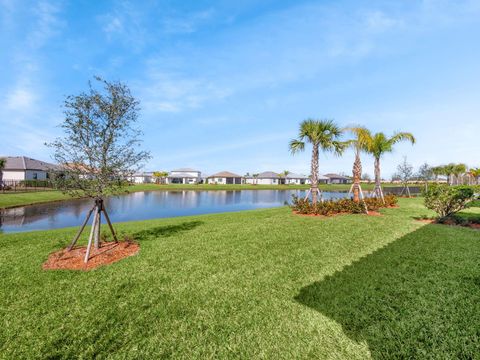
(449, 223)
(108, 253)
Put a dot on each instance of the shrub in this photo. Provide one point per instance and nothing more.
(447, 200)
(343, 206)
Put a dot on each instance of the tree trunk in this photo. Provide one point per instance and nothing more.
(357, 173)
(378, 180)
(314, 171)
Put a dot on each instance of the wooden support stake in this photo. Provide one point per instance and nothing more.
(81, 230)
(110, 224)
(92, 232)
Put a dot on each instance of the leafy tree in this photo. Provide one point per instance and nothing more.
(366, 177)
(378, 145)
(321, 134)
(100, 146)
(425, 173)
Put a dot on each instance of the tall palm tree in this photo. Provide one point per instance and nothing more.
(378, 145)
(3, 162)
(359, 143)
(322, 134)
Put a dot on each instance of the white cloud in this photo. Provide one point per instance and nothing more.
(20, 99)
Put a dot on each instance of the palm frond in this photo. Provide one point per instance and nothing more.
(296, 146)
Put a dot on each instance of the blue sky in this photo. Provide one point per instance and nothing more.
(223, 85)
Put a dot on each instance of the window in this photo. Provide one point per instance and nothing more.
(35, 176)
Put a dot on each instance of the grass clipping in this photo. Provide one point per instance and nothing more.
(108, 253)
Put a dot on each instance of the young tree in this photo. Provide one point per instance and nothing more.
(405, 174)
(322, 134)
(425, 173)
(100, 148)
(378, 145)
(160, 176)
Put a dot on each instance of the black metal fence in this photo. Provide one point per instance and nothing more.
(17, 186)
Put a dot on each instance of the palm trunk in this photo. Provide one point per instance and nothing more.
(378, 180)
(357, 173)
(314, 171)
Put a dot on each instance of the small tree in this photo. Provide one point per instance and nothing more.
(160, 177)
(405, 173)
(100, 148)
(425, 174)
(283, 175)
(255, 179)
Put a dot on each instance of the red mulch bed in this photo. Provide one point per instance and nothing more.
(449, 223)
(370, 213)
(108, 253)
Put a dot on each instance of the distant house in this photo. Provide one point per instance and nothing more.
(265, 178)
(142, 178)
(18, 168)
(297, 179)
(338, 179)
(224, 177)
(184, 176)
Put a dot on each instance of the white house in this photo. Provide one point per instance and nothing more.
(184, 176)
(18, 168)
(224, 177)
(265, 178)
(297, 179)
(142, 178)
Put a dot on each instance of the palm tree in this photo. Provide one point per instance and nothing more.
(3, 162)
(458, 170)
(322, 134)
(475, 174)
(284, 175)
(437, 171)
(255, 181)
(449, 171)
(378, 145)
(359, 144)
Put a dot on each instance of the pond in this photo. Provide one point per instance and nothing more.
(145, 205)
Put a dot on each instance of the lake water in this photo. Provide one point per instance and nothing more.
(145, 205)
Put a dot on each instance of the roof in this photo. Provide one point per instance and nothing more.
(26, 163)
(185, 170)
(268, 175)
(296, 176)
(225, 174)
(336, 176)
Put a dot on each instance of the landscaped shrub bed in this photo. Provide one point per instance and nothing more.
(343, 206)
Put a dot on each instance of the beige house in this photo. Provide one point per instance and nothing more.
(225, 177)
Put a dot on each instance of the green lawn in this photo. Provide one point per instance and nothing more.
(19, 199)
(255, 284)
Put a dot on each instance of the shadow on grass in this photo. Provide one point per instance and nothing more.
(418, 297)
(166, 231)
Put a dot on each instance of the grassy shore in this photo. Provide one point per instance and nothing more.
(255, 284)
(8, 200)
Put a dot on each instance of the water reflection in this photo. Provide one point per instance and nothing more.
(145, 205)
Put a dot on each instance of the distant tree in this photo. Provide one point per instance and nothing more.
(100, 148)
(3, 162)
(366, 177)
(458, 171)
(378, 145)
(283, 175)
(255, 179)
(160, 176)
(475, 174)
(405, 174)
(425, 174)
(437, 171)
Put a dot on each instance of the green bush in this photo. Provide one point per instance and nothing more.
(447, 200)
(343, 206)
